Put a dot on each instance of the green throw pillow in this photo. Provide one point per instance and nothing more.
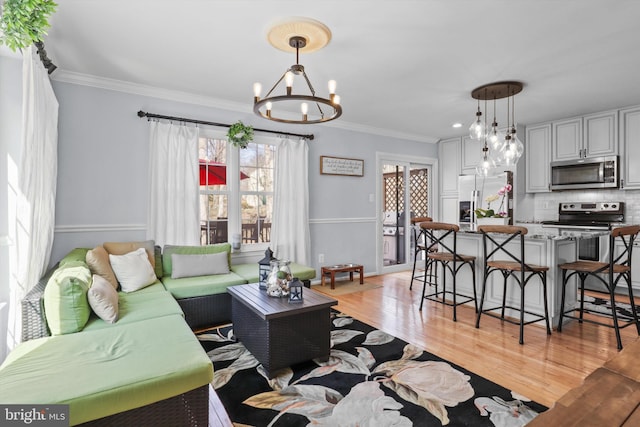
(65, 298)
(77, 254)
(192, 250)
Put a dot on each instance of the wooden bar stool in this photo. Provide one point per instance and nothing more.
(609, 274)
(419, 246)
(437, 235)
(514, 266)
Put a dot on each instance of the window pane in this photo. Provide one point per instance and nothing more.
(257, 162)
(213, 169)
(213, 218)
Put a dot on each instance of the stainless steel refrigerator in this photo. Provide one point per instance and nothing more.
(473, 191)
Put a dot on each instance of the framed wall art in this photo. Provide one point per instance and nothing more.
(341, 166)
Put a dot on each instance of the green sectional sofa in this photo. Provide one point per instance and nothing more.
(146, 368)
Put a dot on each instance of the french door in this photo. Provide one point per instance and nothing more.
(404, 193)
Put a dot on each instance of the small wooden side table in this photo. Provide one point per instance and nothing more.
(342, 268)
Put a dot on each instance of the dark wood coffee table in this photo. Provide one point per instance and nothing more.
(278, 333)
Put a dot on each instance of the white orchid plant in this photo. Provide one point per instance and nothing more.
(501, 212)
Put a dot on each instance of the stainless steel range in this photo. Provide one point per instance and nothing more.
(588, 221)
(588, 215)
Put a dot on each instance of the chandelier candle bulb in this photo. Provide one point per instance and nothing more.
(257, 88)
(304, 107)
(269, 105)
(288, 78)
(336, 99)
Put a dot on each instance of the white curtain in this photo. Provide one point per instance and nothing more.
(173, 210)
(37, 175)
(290, 235)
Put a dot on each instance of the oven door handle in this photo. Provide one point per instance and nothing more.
(575, 227)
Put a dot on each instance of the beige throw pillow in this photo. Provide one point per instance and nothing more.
(133, 270)
(103, 299)
(98, 261)
(121, 248)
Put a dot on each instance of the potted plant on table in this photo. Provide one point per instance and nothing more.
(489, 216)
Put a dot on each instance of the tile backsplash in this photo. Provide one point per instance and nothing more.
(545, 205)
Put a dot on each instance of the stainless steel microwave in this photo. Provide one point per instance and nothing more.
(596, 172)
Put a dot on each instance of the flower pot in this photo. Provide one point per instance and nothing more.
(492, 221)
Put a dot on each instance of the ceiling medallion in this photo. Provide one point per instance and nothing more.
(293, 36)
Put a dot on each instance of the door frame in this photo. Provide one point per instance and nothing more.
(406, 160)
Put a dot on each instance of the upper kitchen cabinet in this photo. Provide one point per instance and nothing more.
(537, 157)
(450, 166)
(601, 134)
(594, 135)
(567, 139)
(630, 148)
(471, 154)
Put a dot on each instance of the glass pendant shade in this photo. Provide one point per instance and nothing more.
(476, 130)
(496, 139)
(486, 167)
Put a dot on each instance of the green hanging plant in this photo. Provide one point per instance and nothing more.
(240, 135)
(25, 22)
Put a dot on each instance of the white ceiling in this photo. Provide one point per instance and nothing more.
(403, 67)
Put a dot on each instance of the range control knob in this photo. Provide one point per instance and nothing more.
(572, 206)
(614, 206)
(606, 205)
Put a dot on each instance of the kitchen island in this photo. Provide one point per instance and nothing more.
(542, 247)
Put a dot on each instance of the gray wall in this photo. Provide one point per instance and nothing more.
(102, 173)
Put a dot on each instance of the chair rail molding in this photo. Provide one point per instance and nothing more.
(100, 228)
(342, 220)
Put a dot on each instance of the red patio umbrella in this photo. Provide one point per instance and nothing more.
(214, 173)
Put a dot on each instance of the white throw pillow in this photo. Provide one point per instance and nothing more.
(133, 270)
(103, 299)
(199, 264)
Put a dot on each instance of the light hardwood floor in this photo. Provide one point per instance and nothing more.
(543, 369)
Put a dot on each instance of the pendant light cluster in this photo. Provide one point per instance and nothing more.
(299, 107)
(498, 148)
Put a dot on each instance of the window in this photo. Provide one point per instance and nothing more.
(243, 206)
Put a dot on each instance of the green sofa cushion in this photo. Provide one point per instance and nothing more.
(191, 250)
(65, 298)
(250, 271)
(189, 287)
(77, 254)
(107, 371)
(147, 303)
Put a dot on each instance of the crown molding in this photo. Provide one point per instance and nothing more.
(65, 76)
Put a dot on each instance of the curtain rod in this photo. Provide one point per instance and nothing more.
(202, 122)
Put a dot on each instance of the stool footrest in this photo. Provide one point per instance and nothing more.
(622, 323)
(437, 297)
(488, 312)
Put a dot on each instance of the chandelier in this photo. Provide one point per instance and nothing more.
(302, 106)
(498, 149)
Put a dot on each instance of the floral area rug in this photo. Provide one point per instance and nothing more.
(370, 379)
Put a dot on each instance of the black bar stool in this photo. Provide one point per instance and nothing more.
(514, 266)
(419, 246)
(437, 234)
(609, 274)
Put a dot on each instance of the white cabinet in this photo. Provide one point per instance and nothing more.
(600, 135)
(449, 209)
(449, 159)
(630, 149)
(537, 157)
(567, 139)
(471, 154)
(594, 135)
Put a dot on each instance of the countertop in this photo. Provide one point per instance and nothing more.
(537, 232)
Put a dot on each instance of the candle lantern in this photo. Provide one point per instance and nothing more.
(295, 290)
(264, 268)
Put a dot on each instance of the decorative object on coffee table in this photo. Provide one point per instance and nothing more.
(341, 268)
(280, 334)
(279, 279)
(295, 290)
(264, 268)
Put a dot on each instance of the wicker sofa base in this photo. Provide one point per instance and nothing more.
(188, 409)
(206, 310)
